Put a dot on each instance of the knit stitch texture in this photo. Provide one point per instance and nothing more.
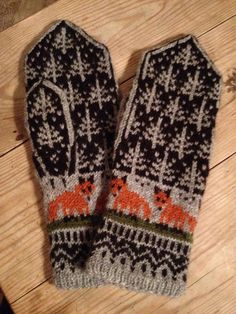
(161, 163)
(71, 110)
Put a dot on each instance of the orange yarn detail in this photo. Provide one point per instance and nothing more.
(130, 200)
(173, 213)
(72, 201)
(134, 203)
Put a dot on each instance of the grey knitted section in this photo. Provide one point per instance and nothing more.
(125, 279)
(68, 279)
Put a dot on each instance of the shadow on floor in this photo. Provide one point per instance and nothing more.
(4, 305)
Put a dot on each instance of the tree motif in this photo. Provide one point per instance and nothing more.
(47, 134)
(186, 57)
(204, 148)
(75, 96)
(155, 166)
(133, 159)
(31, 72)
(173, 108)
(88, 160)
(182, 143)
(163, 168)
(82, 160)
(201, 116)
(53, 69)
(50, 142)
(103, 64)
(214, 91)
(149, 69)
(80, 66)
(194, 86)
(99, 94)
(70, 93)
(167, 78)
(63, 41)
(191, 180)
(153, 134)
(138, 160)
(149, 97)
(89, 125)
(100, 157)
(130, 120)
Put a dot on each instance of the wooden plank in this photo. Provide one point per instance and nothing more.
(212, 294)
(210, 274)
(126, 28)
(13, 11)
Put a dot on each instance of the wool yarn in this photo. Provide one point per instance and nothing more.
(71, 107)
(161, 162)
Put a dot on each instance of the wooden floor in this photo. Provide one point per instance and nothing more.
(13, 11)
(127, 28)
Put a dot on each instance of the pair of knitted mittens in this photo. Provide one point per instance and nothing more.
(120, 208)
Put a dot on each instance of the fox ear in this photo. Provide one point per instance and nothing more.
(90, 187)
(123, 180)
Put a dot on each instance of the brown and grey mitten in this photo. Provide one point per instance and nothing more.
(71, 108)
(161, 163)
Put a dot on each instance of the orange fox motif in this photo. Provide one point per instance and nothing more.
(130, 200)
(76, 200)
(173, 213)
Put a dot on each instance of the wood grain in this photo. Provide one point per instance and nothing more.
(127, 28)
(127, 33)
(13, 11)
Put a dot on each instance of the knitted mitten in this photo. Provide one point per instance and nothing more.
(70, 115)
(161, 162)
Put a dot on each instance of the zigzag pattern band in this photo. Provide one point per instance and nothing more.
(161, 163)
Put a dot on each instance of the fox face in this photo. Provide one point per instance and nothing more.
(116, 186)
(173, 214)
(86, 188)
(161, 200)
(126, 199)
(72, 201)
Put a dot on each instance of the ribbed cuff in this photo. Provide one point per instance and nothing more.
(67, 279)
(114, 274)
(140, 256)
(70, 245)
